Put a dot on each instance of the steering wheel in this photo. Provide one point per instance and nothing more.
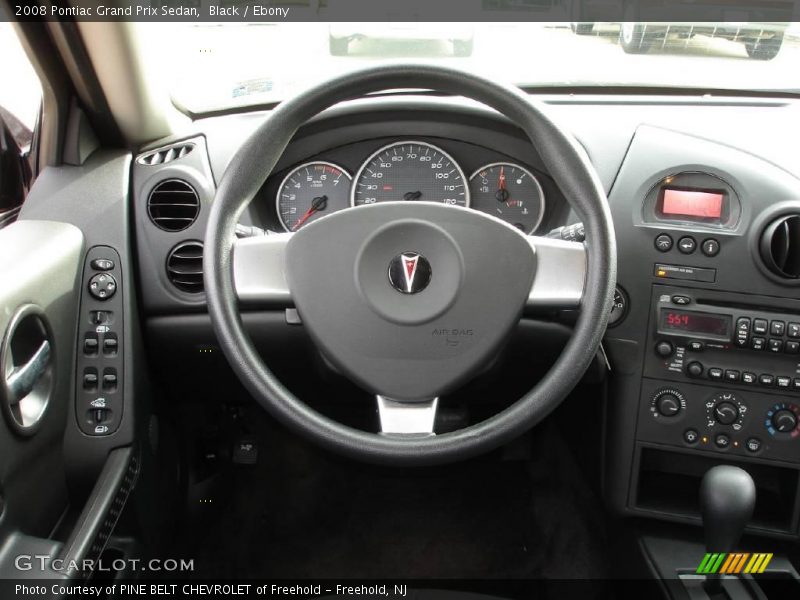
(409, 299)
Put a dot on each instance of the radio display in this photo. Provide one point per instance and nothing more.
(704, 205)
(693, 322)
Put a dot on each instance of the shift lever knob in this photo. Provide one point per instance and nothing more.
(727, 498)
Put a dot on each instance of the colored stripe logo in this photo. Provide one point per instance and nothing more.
(733, 563)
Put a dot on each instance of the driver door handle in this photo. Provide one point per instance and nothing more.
(23, 379)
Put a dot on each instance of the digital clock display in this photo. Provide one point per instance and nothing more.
(693, 322)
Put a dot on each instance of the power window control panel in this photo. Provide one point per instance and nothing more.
(99, 380)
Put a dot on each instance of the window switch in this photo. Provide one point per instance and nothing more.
(90, 344)
(90, 380)
(109, 380)
(110, 344)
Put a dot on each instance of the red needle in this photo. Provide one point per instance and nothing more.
(316, 204)
(502, 178)
(304, 218)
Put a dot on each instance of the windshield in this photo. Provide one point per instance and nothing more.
(212, 66)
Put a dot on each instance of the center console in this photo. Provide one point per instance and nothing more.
(704, 342)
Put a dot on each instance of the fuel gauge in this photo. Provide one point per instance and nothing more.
(510, 192)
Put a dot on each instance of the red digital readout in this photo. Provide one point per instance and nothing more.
(690, 203)
(677, 320)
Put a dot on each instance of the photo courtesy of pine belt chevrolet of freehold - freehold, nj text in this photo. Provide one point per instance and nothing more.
(493, 299)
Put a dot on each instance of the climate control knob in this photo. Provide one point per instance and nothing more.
(667, 403)
(784, 420)
(726, 413)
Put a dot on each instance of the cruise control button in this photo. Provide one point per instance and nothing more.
(783, 382)
(690, 436)
(748, 377)
(791, 347)
(753, 444)
(710, 247)
(758, 343)
(766, 379)
(777, 327)
(759, 326)
(715, 373)
(793, 330)
(687, 244)
(663, 243)
(722, 441)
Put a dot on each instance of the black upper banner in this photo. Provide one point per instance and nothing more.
(250, 11)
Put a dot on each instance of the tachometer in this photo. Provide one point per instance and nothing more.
(311, 191)
(410, 171)
(509, 192)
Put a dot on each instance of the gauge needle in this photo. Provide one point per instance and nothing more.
(412, 195)
(318, 203)
(502, 192)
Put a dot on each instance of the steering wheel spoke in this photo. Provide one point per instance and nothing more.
(258, 269)
(560, 273)
(406, 418)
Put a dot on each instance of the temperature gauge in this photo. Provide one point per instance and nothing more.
(509, 192)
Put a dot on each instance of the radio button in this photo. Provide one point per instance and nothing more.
(760, 326)
(742, 324)
(696, 346)
(758, 343)
(748, 377)
(682, 300)
(794, 330)
(792, 347)
(694, 368)
(775, 345)
(732, 375)
(796, 384)
(783, 382)
(766, 379)
(777, 328)
(715, 373)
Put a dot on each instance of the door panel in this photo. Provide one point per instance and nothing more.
(40, 266)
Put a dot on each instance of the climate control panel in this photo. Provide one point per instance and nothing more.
(719, 420)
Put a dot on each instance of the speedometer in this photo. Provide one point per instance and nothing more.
(410, 171)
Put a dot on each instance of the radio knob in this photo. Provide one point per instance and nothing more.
(664, 348)
(784, 420)
(694, 368)
(668, 404)
(726, 413)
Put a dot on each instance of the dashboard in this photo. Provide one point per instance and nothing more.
(704, 343)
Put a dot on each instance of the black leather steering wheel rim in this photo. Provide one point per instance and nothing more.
(565, 161)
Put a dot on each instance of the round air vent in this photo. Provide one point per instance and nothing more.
(173, 205)
(780, 246)
(185, 267)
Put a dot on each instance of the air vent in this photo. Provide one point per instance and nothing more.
(185, 267)
(780, 246)
(173, 205)
(165, 155)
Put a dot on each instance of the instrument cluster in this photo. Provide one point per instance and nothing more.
(410, 170)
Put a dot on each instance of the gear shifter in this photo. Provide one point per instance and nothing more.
(727, 498)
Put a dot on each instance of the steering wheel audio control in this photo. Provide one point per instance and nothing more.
(783, 421)
(726, 409)
(667, 403)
